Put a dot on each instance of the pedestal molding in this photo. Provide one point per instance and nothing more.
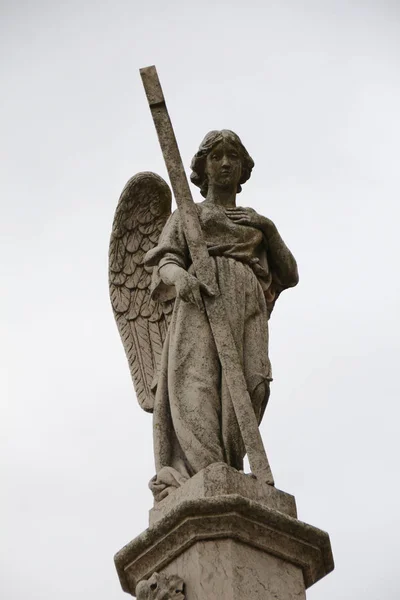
(232, 517)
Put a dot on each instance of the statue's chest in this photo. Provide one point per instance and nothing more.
(219, 229)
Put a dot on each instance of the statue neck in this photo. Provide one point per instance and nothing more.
(222, 197)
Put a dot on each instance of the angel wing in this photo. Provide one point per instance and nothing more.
(142, 211)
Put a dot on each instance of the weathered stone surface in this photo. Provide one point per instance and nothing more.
(252, 529)
(227, 569)
(161, 586)
(204, 370)
(192, 293)
(220, 480)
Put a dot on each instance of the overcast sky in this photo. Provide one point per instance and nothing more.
(313, 89)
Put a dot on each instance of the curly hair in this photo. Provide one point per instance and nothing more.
(198, 164)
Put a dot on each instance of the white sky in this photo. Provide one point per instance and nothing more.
(313, 89)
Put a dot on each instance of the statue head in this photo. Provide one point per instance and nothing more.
(210, 143)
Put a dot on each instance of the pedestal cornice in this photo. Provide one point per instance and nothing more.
(233, 517)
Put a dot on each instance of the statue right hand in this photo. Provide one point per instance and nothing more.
(189, 288)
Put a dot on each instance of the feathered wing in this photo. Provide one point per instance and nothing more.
(142, 211)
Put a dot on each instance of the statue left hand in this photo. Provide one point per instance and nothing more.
(249, 217)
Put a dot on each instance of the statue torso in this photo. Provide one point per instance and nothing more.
(226, 238)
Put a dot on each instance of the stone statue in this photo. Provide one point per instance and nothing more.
(192, 294)
(158, 304)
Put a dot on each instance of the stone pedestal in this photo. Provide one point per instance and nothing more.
(228, 537)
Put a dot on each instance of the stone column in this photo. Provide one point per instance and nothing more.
(227, 537)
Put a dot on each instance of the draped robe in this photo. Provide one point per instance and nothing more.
(194, 420)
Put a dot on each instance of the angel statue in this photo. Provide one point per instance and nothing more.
(159, 310)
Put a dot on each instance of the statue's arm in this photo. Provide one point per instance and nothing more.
(281, 260)
(171, 260)
(186, 285)
(171, 273)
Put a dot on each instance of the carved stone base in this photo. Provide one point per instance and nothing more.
(220, 480)
(229, 547)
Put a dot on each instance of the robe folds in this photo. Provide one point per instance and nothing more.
(194, 420)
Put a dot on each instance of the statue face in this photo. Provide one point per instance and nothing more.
(224, 166)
